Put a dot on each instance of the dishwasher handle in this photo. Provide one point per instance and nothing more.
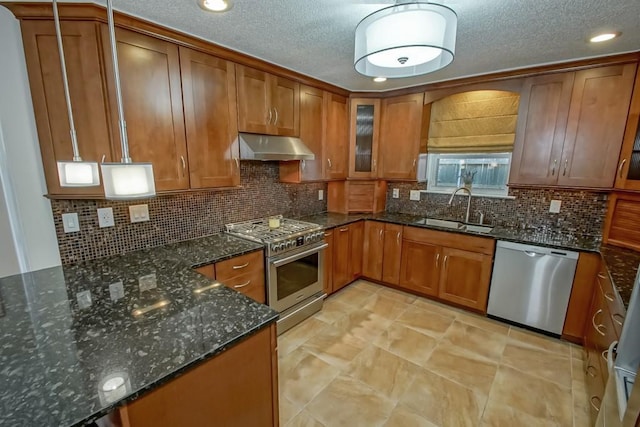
(533, 254)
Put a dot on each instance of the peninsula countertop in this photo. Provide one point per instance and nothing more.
(70, 333)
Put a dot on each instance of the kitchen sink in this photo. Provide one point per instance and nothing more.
(477, 228)
(439, 223)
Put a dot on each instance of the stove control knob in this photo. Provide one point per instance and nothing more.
(290, 244)
(274, 248)
(308, 238)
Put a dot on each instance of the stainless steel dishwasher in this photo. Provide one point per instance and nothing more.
(531, 285)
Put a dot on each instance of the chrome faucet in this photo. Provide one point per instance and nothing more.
(466, 218)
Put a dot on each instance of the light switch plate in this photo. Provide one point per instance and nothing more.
(70, 222)
(139, 213)
(396, 193)
(554, 206)
(105, 217)
(320, 194)
(414, 195)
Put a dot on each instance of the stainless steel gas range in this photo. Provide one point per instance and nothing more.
(294, 263)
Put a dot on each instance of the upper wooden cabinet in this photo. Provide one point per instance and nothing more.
(88, 97)
(336, 136)
(267, 104)
(400, 136)
(209, 95)
(364, 136)
(153, 109)
(628, 175)
(572, 140)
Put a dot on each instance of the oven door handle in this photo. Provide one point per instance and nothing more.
(288, 259)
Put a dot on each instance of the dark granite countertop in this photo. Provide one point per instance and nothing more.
(58, 348)
(623, 267)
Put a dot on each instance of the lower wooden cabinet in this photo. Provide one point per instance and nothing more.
(465, 277)
(239, 387)
(347, 254)
(382, 248)
(327, 285)
(420, 267)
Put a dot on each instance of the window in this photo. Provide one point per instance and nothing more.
(444, 172)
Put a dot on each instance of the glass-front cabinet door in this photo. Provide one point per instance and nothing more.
(363, 148)
(628, 174)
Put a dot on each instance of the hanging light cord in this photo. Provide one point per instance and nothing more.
(114, 55)
(72, 126)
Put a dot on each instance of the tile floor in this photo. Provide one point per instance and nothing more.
(379, 357)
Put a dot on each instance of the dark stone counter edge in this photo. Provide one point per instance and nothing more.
(226, 257)
(177, 373)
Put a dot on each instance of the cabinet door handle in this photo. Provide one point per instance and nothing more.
(618, 318)
(553, 171)
(588, 371)
(239, 267)
(237, 163)
(444, 262)
(398, 237)
(275, 122)
(381, 234)
(602, 275)
(414, 163)
(437, 259)
(303, 164)
(270, 116)
(104, 156)
(374, 165)
(566, 161)
(329, 161)
(184, 165)
(344, 229)
(327, 234)
(597, 408)
(608, 296)
(596, 326)
(604, 355)
(620, 167)
(243, 284)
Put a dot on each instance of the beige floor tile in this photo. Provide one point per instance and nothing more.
(366, 286)
(407, 343)
(386, 307)
(581, 405)
(296, 336)
(304, 419)
(499, 415)
(578, 370)
(354, 297)
(549, 366)
(332, 310)
(443, 402)
(287, 409)
(363, 324)
(533, 339)
(335, 346)
(462, 366)
(480, 341)
(533, 396)
(577, 352)
(405, 417)
(483, 322)
(350, 403)
(301, 376)
(397, 295)
(425, 321)
(436, 307)
(383, 371)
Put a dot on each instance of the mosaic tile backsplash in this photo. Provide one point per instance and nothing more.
(582, 212)
(184, 216)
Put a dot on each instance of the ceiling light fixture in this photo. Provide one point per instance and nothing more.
(379, 79)
(215, 5)
(407, 39)
(603, 37)
(75, 173)
(124, 180)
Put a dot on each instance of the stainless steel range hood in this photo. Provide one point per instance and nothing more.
(269, 147)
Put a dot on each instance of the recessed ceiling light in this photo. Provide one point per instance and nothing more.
(380, 79)
(603, 37)
(215, 5)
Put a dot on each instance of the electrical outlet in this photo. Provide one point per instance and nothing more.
(414, 195)
(320, 194)
(116, 291)
(147, 282)
(396, 193)
(84, 299)
(105, 217)
(139, 213)
(70, 222)
(554, 206)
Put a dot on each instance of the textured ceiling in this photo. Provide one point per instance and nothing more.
(315, 37)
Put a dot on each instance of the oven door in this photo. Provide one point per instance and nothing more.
(295, 277)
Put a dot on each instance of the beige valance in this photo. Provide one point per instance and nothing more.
(474, 122)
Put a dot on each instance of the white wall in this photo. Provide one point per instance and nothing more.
(24, 209)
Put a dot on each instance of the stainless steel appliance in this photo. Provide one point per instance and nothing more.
(531, 285)
(295, 259)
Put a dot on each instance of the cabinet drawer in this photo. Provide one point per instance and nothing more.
(595, 382)
(240, 265)
(451, 240)
(612, 299)
(250, 284)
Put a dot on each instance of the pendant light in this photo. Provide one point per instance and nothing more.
(124, 180)
(407, 39)
(74, 173)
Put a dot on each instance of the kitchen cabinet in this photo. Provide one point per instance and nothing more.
(356, 196)
(622, 224)
(336, 136)
(450, 266)
(628, 175)
(382, 249)
(572, 140)
(237, 387)
(153, 108)
(267, 104)
(327, 285)
(89, 98)
(581, 295)
(347, 254)
(209, 96)
(364, 135)
(400, 128)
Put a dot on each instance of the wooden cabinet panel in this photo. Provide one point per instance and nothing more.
(341, 253)
(238, 387)
(364, 136)
(328, 263)
(420, 267)
(285, 99)
(153, 110)
(250, 284)
(239, 265)
(209, 94)
(464, 278)
(336, 136)
(392, 252)
(622, 225)
(87, 91)
(356, 242)
(628, 175)
(542, 119)
(373, 250)
(581, 294)
(254, 104)
(482, 245)
(356, 196)
(595, 127)
(400, 127)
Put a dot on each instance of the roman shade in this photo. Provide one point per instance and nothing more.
(474, 122)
